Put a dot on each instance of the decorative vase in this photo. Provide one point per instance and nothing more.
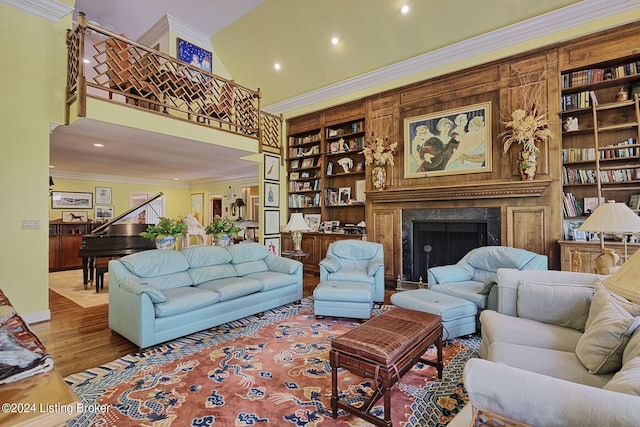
(528, 161)
(166, 242)
(379, 177)
(221, 239)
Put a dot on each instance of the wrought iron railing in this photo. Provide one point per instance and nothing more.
(125, 72)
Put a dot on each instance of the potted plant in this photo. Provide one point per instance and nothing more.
(165, 231)
(222, 230)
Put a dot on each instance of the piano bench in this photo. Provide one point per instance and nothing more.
(100, 270)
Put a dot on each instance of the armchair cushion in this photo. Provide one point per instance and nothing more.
(331, 263)
(373, 266)
(627, 379)
(562, 305)
(451, 273)
(490, 258)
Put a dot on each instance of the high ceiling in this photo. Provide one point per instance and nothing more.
(249, 36)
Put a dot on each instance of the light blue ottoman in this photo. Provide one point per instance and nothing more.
(343, 299)
(458, 315)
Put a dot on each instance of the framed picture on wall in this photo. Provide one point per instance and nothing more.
(271, 195)
(75, 216)
(194, 55)
(71, 200)
(273, 244)
(103, 213)
(449, 142)
(197, 202)
(103, 195)
(271, 222)
(271, 167)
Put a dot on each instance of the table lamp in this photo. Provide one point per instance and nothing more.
(611, 217)
(625, 281)
(296, 226)
(239, 203)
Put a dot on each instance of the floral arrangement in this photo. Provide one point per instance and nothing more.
(165, 227)
(379, 151)
(527, 127)
(221, 225)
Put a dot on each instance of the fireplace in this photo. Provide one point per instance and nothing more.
(433, 237)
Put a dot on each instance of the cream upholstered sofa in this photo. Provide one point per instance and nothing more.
(561, 350)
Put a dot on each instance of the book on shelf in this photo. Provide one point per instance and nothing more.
(571, 206)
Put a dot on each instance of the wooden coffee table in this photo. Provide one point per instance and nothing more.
(384, 349)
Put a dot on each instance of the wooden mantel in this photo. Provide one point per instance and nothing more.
(471, 190)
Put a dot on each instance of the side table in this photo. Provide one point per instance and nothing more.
(298, 256)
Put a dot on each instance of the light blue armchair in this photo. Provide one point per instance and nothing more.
(472, 277)
(355, 261)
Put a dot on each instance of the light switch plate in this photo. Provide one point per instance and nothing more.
(30, 224)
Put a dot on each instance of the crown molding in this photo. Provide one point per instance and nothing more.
(188, 32)
(248, 178)
(565, 18)
(51, 10)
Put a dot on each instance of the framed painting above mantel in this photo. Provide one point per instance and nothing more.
(450, 142)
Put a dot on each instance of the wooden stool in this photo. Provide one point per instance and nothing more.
(384, 349)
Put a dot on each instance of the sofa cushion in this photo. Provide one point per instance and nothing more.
(451, 273)
(273, 279)
(206, 255)
(136, 287)
(204, 274)
(354, 249)
(246, 252)
(250, 267)
(609, 328)
(562, 305)
(627, 379)
(490, 258)
(232, 287)
(282, 265)
(155, 262)
(517, 330)
(170, 281)
(351, 275)
(182, 300)
(554, 363)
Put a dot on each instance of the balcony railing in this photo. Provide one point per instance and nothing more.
(125, 72)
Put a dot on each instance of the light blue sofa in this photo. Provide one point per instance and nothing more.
(159, 295)
(472, 277)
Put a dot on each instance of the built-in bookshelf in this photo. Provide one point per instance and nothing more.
(326, 172)
(600, 150)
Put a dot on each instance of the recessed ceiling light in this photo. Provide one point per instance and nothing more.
(176, 179)
(335, 41)
(276, 66)
(404, 9)
(51, 166)
(98, 145)
(85, 60)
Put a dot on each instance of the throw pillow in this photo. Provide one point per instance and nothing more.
(557, 304)
(607, 332)
(600, 298)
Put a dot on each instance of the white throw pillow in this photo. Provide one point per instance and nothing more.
(558, 304)
(607, 333)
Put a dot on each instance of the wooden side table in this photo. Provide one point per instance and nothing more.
(298, 256)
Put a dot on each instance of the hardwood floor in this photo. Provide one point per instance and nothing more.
(79, 338)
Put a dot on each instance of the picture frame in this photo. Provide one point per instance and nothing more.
(450, 142)
(103, 195)
(571, 231)
(75, 216)
(71, 200)
(271, 222)
(294, 175)
(271, 167)
(313, 221)
(271, 195)
(294, 164)
(344, 195)
(307, 163)
(194, 55)
(197, 205)
(103, 213)
(273, 245)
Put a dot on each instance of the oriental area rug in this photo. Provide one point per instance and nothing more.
(268, 369)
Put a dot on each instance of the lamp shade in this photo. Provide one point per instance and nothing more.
(612, 217)
(625, 281)
(297, 223)
(239, 202)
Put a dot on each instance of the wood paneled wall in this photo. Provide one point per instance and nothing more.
(531, 213)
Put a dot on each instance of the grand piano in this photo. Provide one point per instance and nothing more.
(113, 239)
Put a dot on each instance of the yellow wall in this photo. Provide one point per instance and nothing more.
(33, 77)
(176, 199)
